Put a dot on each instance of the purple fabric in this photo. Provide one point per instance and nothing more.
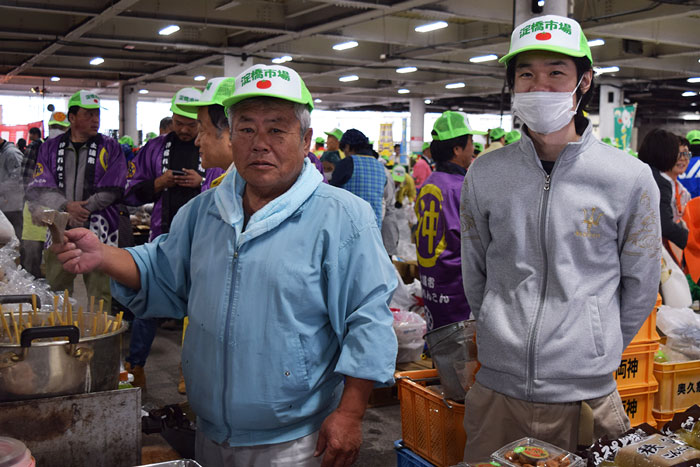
(438, 248)
(210, 175)
(317, 162)
(105, 223)
(148, 165)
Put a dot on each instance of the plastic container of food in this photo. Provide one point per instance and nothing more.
(531, 451)
(13, 453)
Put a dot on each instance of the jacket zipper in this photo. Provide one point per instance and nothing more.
(532, 337)
(227, 333)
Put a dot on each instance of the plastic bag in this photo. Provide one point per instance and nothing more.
(682, 328)
(409, 329)
(406, 295)
(674, 285)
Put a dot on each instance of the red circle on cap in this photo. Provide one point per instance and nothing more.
(264, 84)
(543, 36)
(95, 101)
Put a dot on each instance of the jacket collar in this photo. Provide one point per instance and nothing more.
(570, 151)
(228, 199)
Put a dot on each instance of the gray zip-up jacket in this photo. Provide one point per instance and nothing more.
(560, 270)
(11, 189)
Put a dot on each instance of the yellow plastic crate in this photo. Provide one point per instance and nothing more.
(638, 404)
(636, 369)
(429, 427)
(662, 418)
(679, 386)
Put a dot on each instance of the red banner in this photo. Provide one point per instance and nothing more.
(12, 133)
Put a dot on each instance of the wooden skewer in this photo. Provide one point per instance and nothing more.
(21, 319)
(4, 324)
(43, 321)
(81, 320)
(14, 325)
(108, 323)
(55, 309)
(94, 325)
(92, 304)
(52, 322)
(70, 313)
(34, 310)
(65, 308)
(120, 315)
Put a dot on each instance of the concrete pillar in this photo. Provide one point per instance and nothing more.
(417, 108)
(128, 97)
(523, 9)
(233, 66)
(610, 97)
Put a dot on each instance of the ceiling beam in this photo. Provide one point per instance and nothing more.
(175, 69)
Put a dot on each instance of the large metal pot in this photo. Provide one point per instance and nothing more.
(57, 360)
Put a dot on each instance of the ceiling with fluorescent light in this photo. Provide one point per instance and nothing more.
(655, 44)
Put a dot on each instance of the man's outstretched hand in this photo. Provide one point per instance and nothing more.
(81, 252)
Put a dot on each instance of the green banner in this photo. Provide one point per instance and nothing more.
(624, 121)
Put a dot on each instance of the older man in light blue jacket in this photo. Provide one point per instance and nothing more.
(286, 285)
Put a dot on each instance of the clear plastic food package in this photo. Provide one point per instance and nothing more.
(533, 452)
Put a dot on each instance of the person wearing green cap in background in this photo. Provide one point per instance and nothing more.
(438, 230)
(478, 148)
(333, 141)
(423, 166)
(560, 256)
(512, 137)
(497, 139)
(167, 172)
(83, 173)
(149, 136)
(319, 149)
(267, 378)
(693, 138)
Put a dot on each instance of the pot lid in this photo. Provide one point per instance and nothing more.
(11, 451)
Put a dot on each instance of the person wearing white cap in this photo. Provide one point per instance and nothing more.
(561, 249)
(285, 283)
(83, 173)
(167, 172)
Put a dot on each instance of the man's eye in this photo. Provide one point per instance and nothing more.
(245, 130)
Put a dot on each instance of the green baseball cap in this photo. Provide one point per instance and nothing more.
(478, 146)
(185, 96)
(215, 92)
(59, 118)
(276, 81)
(150, 135)
(320, 140)
(553, 33)
(496, 133)
(693, 136)
(513, 136)
(84, 99)
(126, 139)
(452, 125)
(336, 133)
(398, 173)
(424, 147)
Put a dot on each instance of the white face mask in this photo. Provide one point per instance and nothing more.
(54, 132)
(545, 112)
(328, 175)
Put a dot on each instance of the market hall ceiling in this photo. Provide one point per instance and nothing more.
(656, 46)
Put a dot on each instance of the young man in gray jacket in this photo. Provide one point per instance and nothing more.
(562, 268)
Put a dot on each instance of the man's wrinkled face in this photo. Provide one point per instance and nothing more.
(267, 144)
(214, 144)
(185, 128)
(332, 143)
(85, 122)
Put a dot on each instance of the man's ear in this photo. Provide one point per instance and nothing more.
(586, 81)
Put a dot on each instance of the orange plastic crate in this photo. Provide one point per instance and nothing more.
(679, 386)
(429, 427)
(638, 404)
(636, 369)
(662, 418)
(648, 332)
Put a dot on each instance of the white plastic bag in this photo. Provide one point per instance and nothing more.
(675, 290)
(410, 329)
(682, 329)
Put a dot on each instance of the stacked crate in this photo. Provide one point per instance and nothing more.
(679, 388)
(635, 375)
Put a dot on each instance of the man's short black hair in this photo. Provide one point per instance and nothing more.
(683, 141)
(165, 123)
(35, 131)
(582, 66)
(73, 110)
(443, 151)
(397, 146)
(660, 149)
(218, 117)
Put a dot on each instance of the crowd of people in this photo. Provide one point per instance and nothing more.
(279, 255)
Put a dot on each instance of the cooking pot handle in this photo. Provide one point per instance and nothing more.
(28, 335)
(19, 299)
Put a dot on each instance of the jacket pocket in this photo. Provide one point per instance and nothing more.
(593, 312)
(295, 372)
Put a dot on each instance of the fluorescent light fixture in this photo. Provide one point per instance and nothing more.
(690, 117)
(596, 42)
(461, 109)
(166, 31)
(606, 69)
(227, 5)
(483, 58)
(540, 3)
(347, 79)
(345, 45)
(689, 94)
(695, 79)
(431, 26)
(143, 91)
(428, 101)
(55, 78)
(454, 85)
(318, 101)
(200, 78)
(403, 91)
(406, 69)
(97, 61)
(283, 59)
